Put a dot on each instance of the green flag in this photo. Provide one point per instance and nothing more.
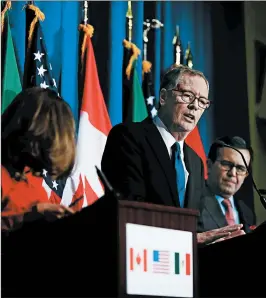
(134, 106)
(139, 106)
(11, 84)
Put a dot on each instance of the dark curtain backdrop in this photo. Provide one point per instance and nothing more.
(230, 78)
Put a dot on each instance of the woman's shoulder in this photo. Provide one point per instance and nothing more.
(6, 180)
(25, 191)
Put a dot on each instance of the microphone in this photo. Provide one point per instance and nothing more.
(260, 192)
(107, 185)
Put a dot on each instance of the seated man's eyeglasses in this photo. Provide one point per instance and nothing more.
(228, 166)
(189, 97)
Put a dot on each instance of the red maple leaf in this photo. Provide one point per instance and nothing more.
(138, 259)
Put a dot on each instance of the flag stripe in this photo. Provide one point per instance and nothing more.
(145, 259)
(131, 260)
(177, 267)
(187, 264)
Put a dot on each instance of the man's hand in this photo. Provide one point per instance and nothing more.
(233, 235)
(219, 234)
(54, 211)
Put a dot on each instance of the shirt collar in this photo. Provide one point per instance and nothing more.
(168, 138)
(231, 199)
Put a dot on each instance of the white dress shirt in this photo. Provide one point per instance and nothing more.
(169, 141)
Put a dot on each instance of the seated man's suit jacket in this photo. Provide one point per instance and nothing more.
(212, 217)
(136, 162)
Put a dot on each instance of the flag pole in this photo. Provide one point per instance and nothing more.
(128, 44)
(129, 15)
(146, 30)
(87, 29)
(153, 24)
(85, 20)
(177, 47)
(189, 56)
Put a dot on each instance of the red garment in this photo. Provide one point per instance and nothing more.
(18, 197)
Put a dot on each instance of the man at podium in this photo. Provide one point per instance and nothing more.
(149, 160)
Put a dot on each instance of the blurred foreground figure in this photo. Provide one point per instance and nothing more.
(38, 134)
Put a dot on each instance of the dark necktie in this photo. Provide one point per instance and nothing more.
(180, 173)
(229, 214)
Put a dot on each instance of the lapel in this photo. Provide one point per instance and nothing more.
(244, 213)
(190, 168)
(214, 209)
(159, 148)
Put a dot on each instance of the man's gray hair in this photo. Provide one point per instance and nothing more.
(172, 76)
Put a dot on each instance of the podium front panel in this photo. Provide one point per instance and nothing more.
(151, 215)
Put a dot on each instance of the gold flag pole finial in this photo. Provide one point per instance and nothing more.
(129, 15)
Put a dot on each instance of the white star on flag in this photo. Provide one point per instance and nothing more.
(154, 112)
(44, 172)
(41, 71)
(54, 184)
(38, 56)
(43, 85)
(54, 83)
(150, 100)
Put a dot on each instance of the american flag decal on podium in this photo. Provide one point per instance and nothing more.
(161, 262)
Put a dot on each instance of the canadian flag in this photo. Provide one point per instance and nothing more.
(138, 259)
(94, 126)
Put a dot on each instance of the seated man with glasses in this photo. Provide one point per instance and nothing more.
(149, 161)
(226, 174)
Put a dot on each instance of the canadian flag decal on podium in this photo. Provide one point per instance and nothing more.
(138, 259)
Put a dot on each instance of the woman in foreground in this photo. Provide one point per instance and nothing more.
(38, 132)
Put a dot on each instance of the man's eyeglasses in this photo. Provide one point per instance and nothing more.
(228, 166)
(189, 97)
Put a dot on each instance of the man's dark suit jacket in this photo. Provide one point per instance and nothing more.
(136, 162)
(212, 217)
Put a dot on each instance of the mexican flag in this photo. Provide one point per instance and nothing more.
(11, 84)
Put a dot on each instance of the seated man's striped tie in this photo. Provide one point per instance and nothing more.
(229, 213)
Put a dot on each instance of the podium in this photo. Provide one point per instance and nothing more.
(84, 255)
(235, 267)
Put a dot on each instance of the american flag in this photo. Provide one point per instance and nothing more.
(38, 72)
(148, 92)
(161, 262)
(37, 69)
